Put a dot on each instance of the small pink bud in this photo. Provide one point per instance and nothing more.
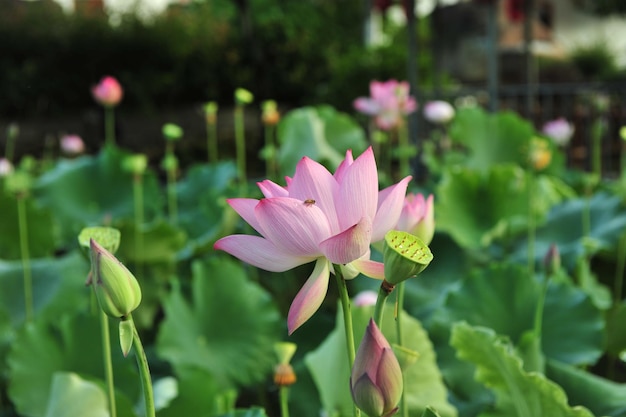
(376, 380)
(438, 112)
(365, 298)
(559, 130)
(108, 92)
(6, 167)
(72, 145)
(418, 217)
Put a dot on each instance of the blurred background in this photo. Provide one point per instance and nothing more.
(541, 58)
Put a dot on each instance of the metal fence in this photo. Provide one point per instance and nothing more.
(587, 106)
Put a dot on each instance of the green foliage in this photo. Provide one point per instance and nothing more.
(595, 61)
(228, 329)
(519, 393)
(72, 396)
(321, 133)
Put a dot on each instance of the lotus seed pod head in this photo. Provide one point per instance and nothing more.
(116, 288)
(622, 132)
(137, 163)
(404, 255)
(211, 107)
(172, 132)
(107, 237)
(270, 114)
(13, 130)
(376, 379)
(108, 92)
(243, 96)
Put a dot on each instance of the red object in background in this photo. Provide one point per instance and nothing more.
(515, 10)
(382, 5)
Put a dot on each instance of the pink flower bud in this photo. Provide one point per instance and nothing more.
(559, 130)
(108, 92)
(365, 298)
(6, 167)
(438, 112)
(418, 217)
(72, 145)
(376, 380)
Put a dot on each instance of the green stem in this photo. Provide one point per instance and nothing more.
(403, 141)
(240, 143)
(531, 224)
(400, 341)
(271, 163)
(212, 142)
(171, 183)
(138, 203)
(28, 279)
(108, 365)
(596, 157)
(619, 270)
(144, 372)
(9, 149)
(284, 401)
(109, 125)
(347, 321)
(383, 292)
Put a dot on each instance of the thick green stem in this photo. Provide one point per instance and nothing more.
(28, 279)
(531, 224)
(271, 163)
(596, 156)
(347, 321)
(109, 125)
(240, 143)
(284, 401)
(212, 142)
(144, 372)
(619, 271)
(108, 365)
(138, 209)
(400, 340)
(383, 292)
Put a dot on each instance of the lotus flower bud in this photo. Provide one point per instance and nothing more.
(243, 96)
(376, 379)
(404, 255)
(438, 112)
(559, 130)
(270, 113)
(418, 217)
(552, 260)
(108, 92)
(6, 167)
(72, 145)
(365, 298)
(116, 288)
(172, 132)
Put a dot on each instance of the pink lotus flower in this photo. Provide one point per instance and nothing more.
(72, 145)
(389, 102)
(318, 217)
(376, 380)
(438, 112)
(559, 130)
(108, 92)
(365, 298)
(418, 217)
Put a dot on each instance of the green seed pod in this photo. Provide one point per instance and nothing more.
(116, 288)
(243, 96)
(172, 131)
(404, 255)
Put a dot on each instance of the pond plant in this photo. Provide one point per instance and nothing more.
(493, 287)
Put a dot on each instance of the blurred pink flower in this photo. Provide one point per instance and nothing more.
(389, 102)
(319, 216)
(108, 92)
(418, 217)
(559, 130)
(365, 298)
(376, 380)
(6, 167)
(72, 145)
(438, 112)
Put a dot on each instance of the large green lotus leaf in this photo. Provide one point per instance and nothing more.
(58, 286)
(504, 298)
(70, 344)
(474, 207)
(197, 390)
(160, 243)
(519, 393)
(90, 191)
(202, 202)
(584, 388)
(564, 228)
(491, 138)
(252, 412)
(72, 396)
(321, 133)
(329, 368)
(39, 228)
(228, 329)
